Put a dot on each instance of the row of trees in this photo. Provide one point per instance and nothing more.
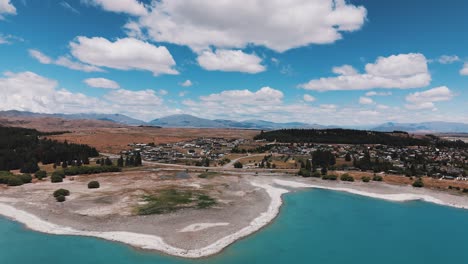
(22, 148)
(129, 161)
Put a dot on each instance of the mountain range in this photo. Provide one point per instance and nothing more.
(184, 120)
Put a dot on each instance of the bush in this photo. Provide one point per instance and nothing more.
(59, 173)
(61, 192)
(330, 177)
(56, 177)
(25, 178)
(465, 190)
(316, 174)
(418, 183)
(347, 177)
(14, 181)
(377, 178)
(304, 172)
(238, 165)
(60, 198)
(29, 167)
(93, 185)
(90, 170)
(366, 179)
(40, 175)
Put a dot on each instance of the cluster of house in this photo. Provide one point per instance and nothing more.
(197, 149)
(447, 163)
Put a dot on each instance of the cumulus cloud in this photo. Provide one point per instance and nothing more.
(401, 71)
(426, 99)
(448, 59)
(308, 98)
(230, 61)
(187, 83)
(201, 24)
(102, 83)
(464, 70)
(6, 8)
(64, 61)
(366, 100)
(123, 54)
(131, 7)
(134, 98)
(345, 70)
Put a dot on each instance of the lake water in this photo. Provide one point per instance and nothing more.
(315, 226)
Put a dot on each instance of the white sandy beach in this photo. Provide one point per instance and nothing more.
(269, 185)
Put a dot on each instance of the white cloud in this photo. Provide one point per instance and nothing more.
(345, 70)
(64, 61)
(264, 96)
(277, 25)
(402, 71)
(9, 39)
(464, 70)
(123, 54)
(102, 83)
(366, 100)
(183, 93)
(6, 8)
(308, 98)
(134, 98)
(230, 61)
(163, 92)
(448, 59)
(187, 83)
(131, 7)
(426, 99)
(373, 93)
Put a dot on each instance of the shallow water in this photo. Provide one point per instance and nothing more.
(316, 226)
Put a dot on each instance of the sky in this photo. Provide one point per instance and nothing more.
(330, 62)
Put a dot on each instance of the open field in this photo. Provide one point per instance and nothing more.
(114, 140)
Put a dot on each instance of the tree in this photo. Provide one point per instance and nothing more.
(138, 161)
(108, 162)
(418, 183)
(93, 185)
(347, 157)
(64, 164)
(127, 161)
(120, 162)
(29, 167)
(238, 165)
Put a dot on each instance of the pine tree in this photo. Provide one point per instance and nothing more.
(120, 162)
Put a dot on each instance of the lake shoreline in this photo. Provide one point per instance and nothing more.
(275, 187)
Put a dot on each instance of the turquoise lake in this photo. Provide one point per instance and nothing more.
(315, 226)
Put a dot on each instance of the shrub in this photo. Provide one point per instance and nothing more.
(60, 198)
(465, 190)
(377, 178)
(316, 174)
(93, 185)
(25, 178)
(347, 177)
(366, 179)
(304, 172)
(61, 192)
(238, 165)
(40, 174)
(56, 177)
(59, 173)
(14, 181)
(90, 170)
(330, 177)
(418, 183)
(29, 167)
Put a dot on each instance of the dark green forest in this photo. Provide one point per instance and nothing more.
(351, 136)
(22, 148)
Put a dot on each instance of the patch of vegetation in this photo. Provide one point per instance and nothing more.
(11, 179)
(14, 181)
(60, 198)
(366, 179)
(61, 192)
(40, 174)
(208, 174)
(91, 170)
(56, 177)
(171, 200)
(93, 185)
(347, 177)
(377, 178)
(330, 177)
(25, 178)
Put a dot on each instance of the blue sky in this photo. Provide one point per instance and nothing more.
(357, 62)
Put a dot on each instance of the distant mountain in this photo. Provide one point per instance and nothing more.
(439, 127)
(192, 121)
(116, 118)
